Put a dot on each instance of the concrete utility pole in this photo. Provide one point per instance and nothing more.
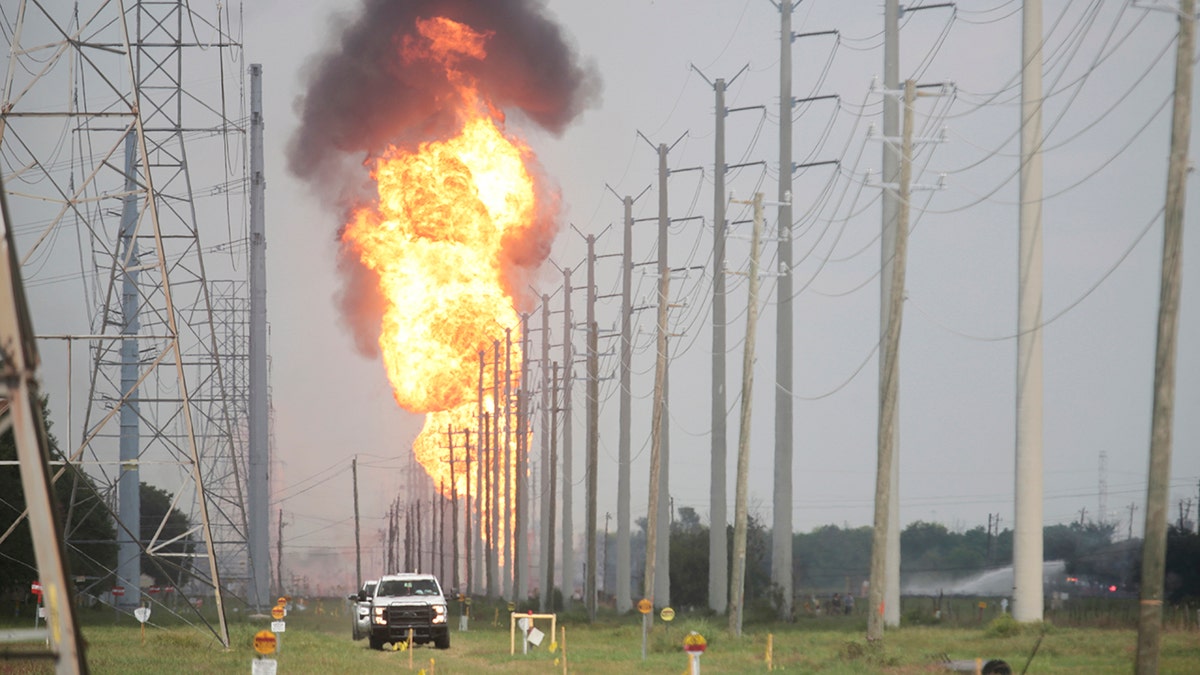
(737, 586)
(547, 598)
(357, 532)
(593, 428)
(489, 520)
(1154, 547)
(258, 485)
(624, 556)
(718, 564)
(1027, 524)
(568, 497)
(887, 253)
(546, 559)
(781, 555)
(889, 384)
(129, 551)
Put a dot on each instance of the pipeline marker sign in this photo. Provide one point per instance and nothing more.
(644, 606)
(667, 614)
(142, 614)
(264, 642)
(278, 626)
(277, 612)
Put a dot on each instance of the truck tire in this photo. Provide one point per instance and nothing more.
(442, 641)
(376, 643)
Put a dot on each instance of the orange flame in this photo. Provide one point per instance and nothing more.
(435, 240)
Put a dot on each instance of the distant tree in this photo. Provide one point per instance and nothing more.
(1074, 542)
(171, 564)
(829, 556)
(1182, 581)
(88, 527)
(689, 560)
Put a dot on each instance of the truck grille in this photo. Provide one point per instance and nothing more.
(405, 616)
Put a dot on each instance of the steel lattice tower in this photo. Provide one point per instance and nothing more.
(123, 144)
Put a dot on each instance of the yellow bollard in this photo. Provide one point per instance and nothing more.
(770, 651)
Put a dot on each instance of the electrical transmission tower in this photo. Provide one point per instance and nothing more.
(123, 145)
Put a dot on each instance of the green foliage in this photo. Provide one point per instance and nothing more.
(87, 527)
(166, 570)
(1003, 626)
(1182, 565)
(824, 557)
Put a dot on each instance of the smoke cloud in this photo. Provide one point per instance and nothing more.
(362, 97)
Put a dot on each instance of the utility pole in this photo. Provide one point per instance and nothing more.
(718, 565)
(593, 428)
(509, 494)
(889, 386)
(1154, 546)
(568, 498)
(656, 424)
(547, 524)
(547, 598)
(279, 555)
(662, 584)
(467, 511)
(741, 491)
(624, 556)
(129, 551)
(520, 557)
(259, 484)
(357, 533)
(497, 532)
(887, 253)
(1132, 508)
(453, 511)
(481, 505)
(1027, 525)
(781, 556)
(489, 524)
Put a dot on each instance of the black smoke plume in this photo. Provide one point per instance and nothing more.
(361, 98)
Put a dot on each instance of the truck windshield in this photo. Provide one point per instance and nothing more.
(402, 587)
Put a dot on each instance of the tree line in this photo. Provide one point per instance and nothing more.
(90, 530)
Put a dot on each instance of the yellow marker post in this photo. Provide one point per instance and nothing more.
(770, 651)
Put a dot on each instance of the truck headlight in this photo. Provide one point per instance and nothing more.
(439, 614)
(379, 617)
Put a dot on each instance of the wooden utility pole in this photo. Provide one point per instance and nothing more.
(453, 512)
(357, 539)
(1154, 547)
(547, 603)
(737, 585)
(568, 449)
(521, 557)
(593, 429)
(489, 530)
(467, 511)
(496, 587)
(889, 386)
(656, 424)
(480, 488)
(279, 554)
(509, 586)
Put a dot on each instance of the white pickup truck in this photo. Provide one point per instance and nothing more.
(409, 602)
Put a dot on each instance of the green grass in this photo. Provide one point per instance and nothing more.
(319, 642)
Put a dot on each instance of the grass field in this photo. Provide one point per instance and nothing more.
(317, 640)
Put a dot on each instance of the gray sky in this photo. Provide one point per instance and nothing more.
(1107, 75)
(1109, 68)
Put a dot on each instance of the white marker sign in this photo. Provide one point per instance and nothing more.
(142, 614)
(277, 626)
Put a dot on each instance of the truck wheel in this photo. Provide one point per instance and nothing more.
(442, 641)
